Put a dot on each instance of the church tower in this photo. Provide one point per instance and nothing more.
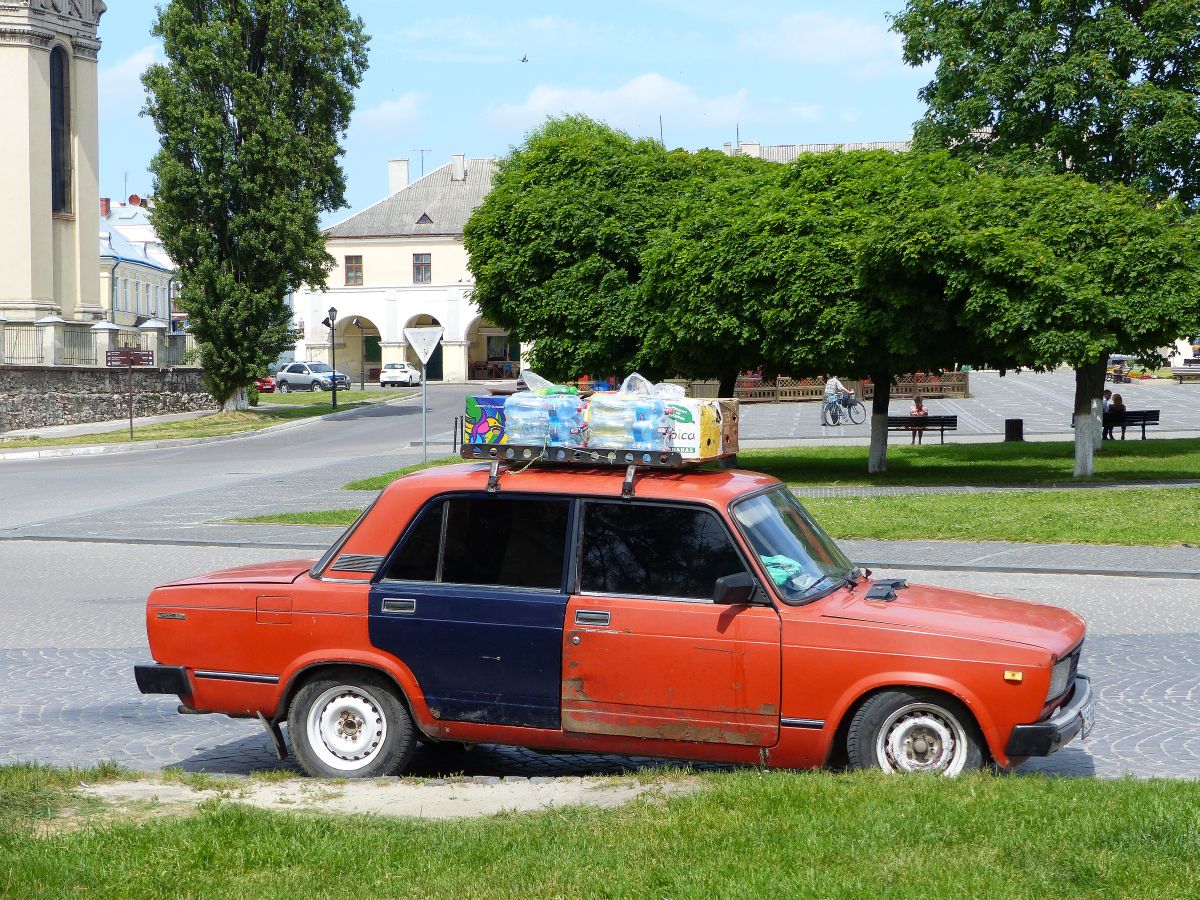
(49, 159)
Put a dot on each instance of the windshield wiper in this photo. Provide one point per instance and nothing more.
(837, 579)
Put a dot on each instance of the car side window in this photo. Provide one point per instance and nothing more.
(517, 542)
(643, 550)
(506, 541)
(417, 558)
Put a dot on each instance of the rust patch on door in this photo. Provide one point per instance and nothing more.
(573, 689)
(574, 720)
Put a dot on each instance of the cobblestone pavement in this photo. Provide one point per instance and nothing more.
(1043, 400)
(76, 703)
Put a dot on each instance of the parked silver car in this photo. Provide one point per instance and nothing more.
(306, 376)
(398, 374)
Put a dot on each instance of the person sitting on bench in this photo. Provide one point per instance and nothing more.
(918, 410)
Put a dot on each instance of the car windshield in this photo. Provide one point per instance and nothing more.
(319, 367)
(801, 559)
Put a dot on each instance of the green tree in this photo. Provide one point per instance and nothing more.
(1107, 89)
(782, 265)
(1051, 270)
(249, 105)
(556, 247)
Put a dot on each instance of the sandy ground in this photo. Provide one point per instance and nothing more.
(433, 799)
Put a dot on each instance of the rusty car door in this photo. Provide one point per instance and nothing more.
(646, 652)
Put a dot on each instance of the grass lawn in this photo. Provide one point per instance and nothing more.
(981, 464)
(299, 406)
(1130, 516)
(325, 398)
(743, 834)
(1149, 517)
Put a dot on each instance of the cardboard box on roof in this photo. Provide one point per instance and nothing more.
(703, 429)
(483, 422)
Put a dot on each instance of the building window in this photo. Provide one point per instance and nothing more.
(354, 271)
(125, 294)
(137, 297)
(422, 269)
(60, 131)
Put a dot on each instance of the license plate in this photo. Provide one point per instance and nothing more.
(1088, 714)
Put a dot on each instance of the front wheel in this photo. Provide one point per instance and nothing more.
(315, 387)
(857, 413)
(350, 725)
(914, 731)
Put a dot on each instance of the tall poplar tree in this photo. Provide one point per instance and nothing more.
(250, 106)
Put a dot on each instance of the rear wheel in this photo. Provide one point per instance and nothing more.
(830, 414)
(284, 387)
(350, 724)
(914, 731)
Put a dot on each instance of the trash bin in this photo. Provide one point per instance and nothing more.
(1014, 430)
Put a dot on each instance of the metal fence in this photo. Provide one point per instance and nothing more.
(79, 346)
(22, 344)
(178, 349)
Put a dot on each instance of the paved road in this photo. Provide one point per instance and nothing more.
(1043, 400)
(68, 644)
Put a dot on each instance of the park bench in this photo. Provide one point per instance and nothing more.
(1190, 373)
(924, 423)
(1131, 418)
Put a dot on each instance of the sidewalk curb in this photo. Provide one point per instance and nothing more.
(103, 449)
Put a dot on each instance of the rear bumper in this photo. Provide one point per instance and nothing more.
(156, 679)
(1043, 738)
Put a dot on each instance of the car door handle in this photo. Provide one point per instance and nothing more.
(404, 606)
(592, 617)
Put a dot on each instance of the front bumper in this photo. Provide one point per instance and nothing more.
(1043, 738)
(156, 679)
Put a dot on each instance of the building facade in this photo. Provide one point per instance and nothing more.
(401, 263)
(49, 176)
(136, 275)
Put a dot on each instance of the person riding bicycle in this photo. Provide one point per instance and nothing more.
(836, 391)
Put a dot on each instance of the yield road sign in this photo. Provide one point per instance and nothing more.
(424, 340)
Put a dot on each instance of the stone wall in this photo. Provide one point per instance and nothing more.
(37, 396)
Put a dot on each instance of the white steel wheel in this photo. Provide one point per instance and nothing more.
(315, 386)
(350, 727)
(284, 387)
(914, 731)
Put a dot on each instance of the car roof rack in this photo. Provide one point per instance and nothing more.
(522, 454)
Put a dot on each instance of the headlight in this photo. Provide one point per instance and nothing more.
(1058, 678)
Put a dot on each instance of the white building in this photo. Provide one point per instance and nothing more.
(401, 263)
(136, 274)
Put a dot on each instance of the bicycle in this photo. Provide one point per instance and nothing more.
(846, 405)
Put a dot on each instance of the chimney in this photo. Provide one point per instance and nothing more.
(105, 207)
(458, 170)
(397, 175)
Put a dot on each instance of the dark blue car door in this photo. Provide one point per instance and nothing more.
(473, 599)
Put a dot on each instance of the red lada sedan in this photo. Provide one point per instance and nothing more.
(691, 614)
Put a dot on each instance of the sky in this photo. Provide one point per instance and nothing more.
(451, 79)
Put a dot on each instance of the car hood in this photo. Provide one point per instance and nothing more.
(284, 572)
(964, 613)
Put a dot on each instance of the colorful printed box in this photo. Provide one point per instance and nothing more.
(484, 421)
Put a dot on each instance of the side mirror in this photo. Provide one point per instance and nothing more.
(733, 590)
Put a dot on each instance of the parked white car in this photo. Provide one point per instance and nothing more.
(396, 374)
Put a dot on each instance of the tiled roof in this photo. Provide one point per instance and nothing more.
(448, 204)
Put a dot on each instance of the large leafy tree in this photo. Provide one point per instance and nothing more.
(250, 106)
(557, 250)
(1107, 89)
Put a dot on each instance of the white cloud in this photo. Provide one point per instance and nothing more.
(636, 105)
(120, 85)
(471, 39)
(818, 38)
(391, 115)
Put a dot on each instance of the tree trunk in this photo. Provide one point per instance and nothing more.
(728, 384)
(877, 461)
(238, 401)
(1089, 407)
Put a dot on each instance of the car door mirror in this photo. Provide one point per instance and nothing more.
(733, 590)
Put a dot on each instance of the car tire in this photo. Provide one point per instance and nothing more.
(315, 386)
(284, 387)
(350, 724)
(914, 730)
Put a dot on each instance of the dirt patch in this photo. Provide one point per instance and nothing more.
(433, 799)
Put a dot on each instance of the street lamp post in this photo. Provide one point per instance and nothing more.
(362, 355)
(333, 350)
